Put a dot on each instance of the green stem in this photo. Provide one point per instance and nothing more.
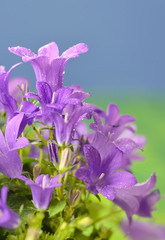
(59, 189)
(41, 156)
(51, 134)
(104, 217)
(65, 179)
(39, 135)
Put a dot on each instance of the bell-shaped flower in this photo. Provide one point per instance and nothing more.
(143, 230)
(48, 65)
(7, 102)
(106, 134)
(42, 189)
(139, 199)
(8, 218)
(52, 102)
(65, 123)
(101, 176)
(10, 162)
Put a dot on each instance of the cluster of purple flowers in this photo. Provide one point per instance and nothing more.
(100, 158)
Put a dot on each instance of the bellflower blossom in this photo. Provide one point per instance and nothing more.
(62, 145)
(48, 65)
(115, 131)
(8, 103)
(65, 124)
(10, 162)
(138, 199)
(42, 189)
(57, 101)
(143, 231)
(8, 218)
(101, 176)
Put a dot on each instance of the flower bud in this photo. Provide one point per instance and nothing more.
(36, 171)
(84, 222)
(74, 197)
(65, 159)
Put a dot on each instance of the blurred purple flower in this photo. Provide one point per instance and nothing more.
(143, 230)
(18, 87)
(8, 218)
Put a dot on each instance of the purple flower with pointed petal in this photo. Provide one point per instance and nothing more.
(10, 162)
(52, 102)
(65, 124)
(115, 131)
(48, 65)
(138, 199)
(8, 103)
(101, 176)
(8, 218)
(42, 189)
(143, 230)
(112, 135)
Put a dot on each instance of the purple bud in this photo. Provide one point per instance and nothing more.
(53, 152)
(74, 197)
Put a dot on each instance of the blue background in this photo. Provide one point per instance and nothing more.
(126, 41)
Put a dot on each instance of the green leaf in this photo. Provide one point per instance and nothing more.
(56, 207)
(20, 204)
(29, 160)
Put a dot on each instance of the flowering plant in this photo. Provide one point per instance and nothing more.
(56, 172)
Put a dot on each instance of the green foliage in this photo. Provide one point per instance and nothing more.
(56, 207)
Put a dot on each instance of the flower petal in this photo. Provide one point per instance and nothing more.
(122, 179)
(93, 159)
(21, 143)
(50, 51)
(11, 164)
(107, 191)
(13, 127)
(83, 174)
(74, 51)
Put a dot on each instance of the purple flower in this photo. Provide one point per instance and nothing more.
(138, 199)
(101, 176)
(114, 130)
(18, 87)
(52, 102)
(7, 102)
(8, 218)
(143, 230)
(65, 124)
(10, 162)
(48, 65)
(111, 135)
(42, 189)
